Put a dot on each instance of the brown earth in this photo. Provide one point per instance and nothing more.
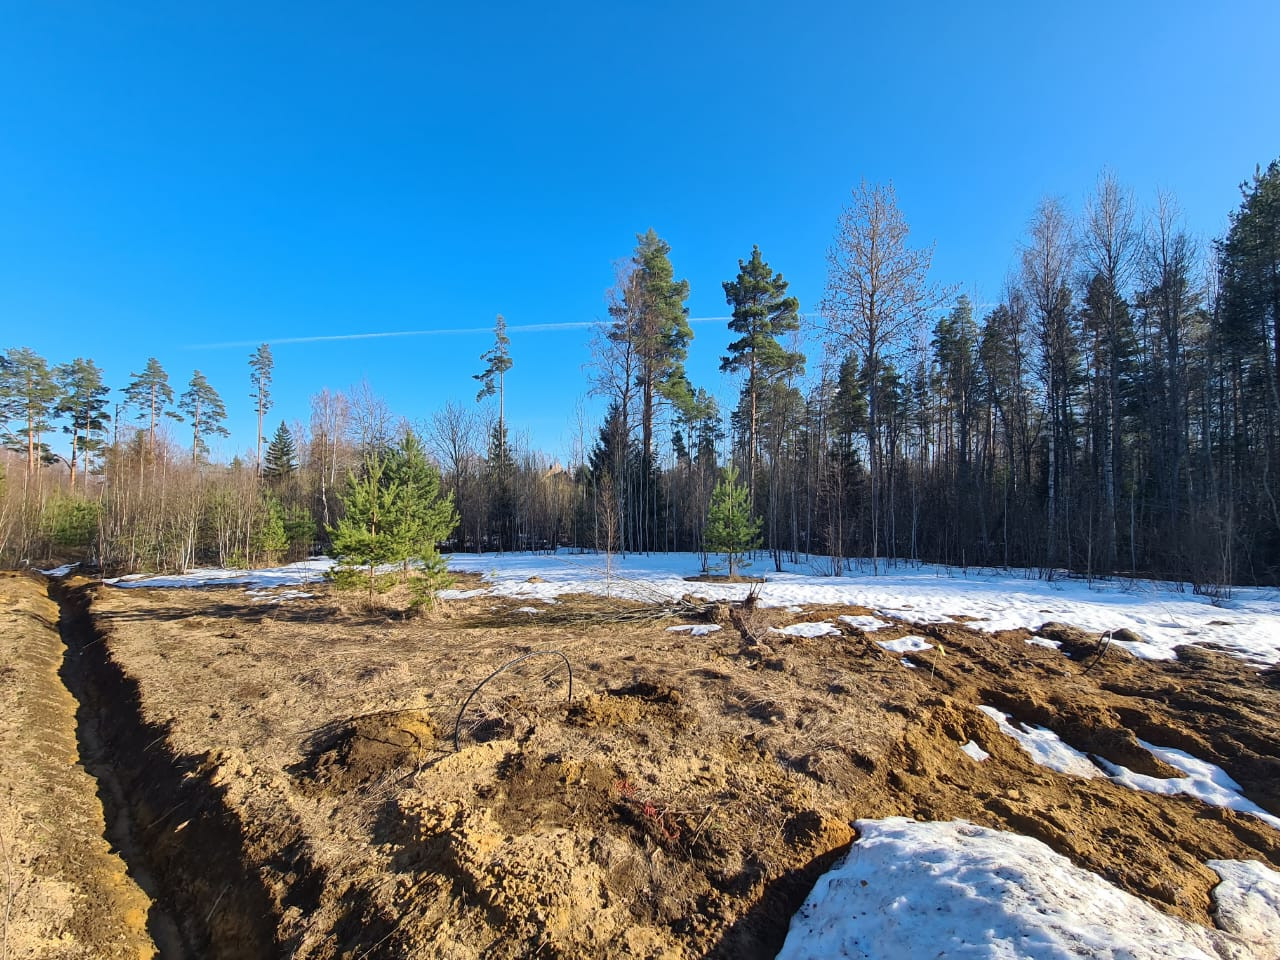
(290, 773)
(63, 891)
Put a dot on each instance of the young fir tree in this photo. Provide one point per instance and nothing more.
(282, 455)
(395, 515)
(424, 517)
(205, 410)
(731, 529)
(366, 535)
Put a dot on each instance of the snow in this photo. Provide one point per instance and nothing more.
(61, 571)
(863, 622)
(292, 574)
(1247, 901)
(821, 629)
(975, 752)
(905, 645)
(527, 610)
(1045, 747)
(908, 664)
(695, 629)
(1203, 780)
(1163, 615)
(1044, 642)
(271, 596)
(909, 889)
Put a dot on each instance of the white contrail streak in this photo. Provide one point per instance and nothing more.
(445, 331)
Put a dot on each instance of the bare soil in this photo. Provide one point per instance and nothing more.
(291, 774)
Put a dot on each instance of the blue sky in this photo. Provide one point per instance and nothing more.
(174, 176)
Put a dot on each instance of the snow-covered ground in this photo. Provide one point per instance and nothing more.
(909, 889)
(290, 575)
(1165, 617)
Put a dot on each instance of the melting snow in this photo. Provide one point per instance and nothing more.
(1044, 642)
(61, 571)
(975, 751)
(807, 629)
(863, 622)
(1247, 901)
(1203, 780)
(908, 889)
(1045, 747)
(695, 629)
(905, 645)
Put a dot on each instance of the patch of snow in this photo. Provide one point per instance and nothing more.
(269, 596)
(695, 629)
(908, 664)
(289, 575)
(975, 751)
(61, 571)
(1045, 747)
(527, 610)
(905, 644)
(864, 622)
(1044, 642)
(1203, 780)
(909, 889)
(1247, 901)
(820, 629)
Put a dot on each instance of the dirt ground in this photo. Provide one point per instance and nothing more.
(289, 777)
(63, 891)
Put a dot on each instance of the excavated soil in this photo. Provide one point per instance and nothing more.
(291, 773)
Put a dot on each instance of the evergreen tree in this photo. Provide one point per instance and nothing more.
(425, 517)
(366, 536)
(83, 402)
(731, 529)
(261, 365)
(28, 396)
(762, 312)
(282, 456)
(498, 360)
(205, 410)
(150, 393)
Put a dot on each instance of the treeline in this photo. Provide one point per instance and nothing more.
(1117, 411)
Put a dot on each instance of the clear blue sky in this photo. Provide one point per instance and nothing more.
(173, 175)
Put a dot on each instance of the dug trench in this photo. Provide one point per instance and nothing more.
(164, 812)
(291, 780)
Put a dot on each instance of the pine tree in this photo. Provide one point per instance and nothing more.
(28, 395)
(424, 516)
(366, 535)
(731, 529)
(260, 367)
(498, 358)
(762, 312)
(205, 410)
(282, 455)
(84, 403)
(150, 392)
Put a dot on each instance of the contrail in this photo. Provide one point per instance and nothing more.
(445, 331)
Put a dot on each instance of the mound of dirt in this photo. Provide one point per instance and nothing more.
(370, 748)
